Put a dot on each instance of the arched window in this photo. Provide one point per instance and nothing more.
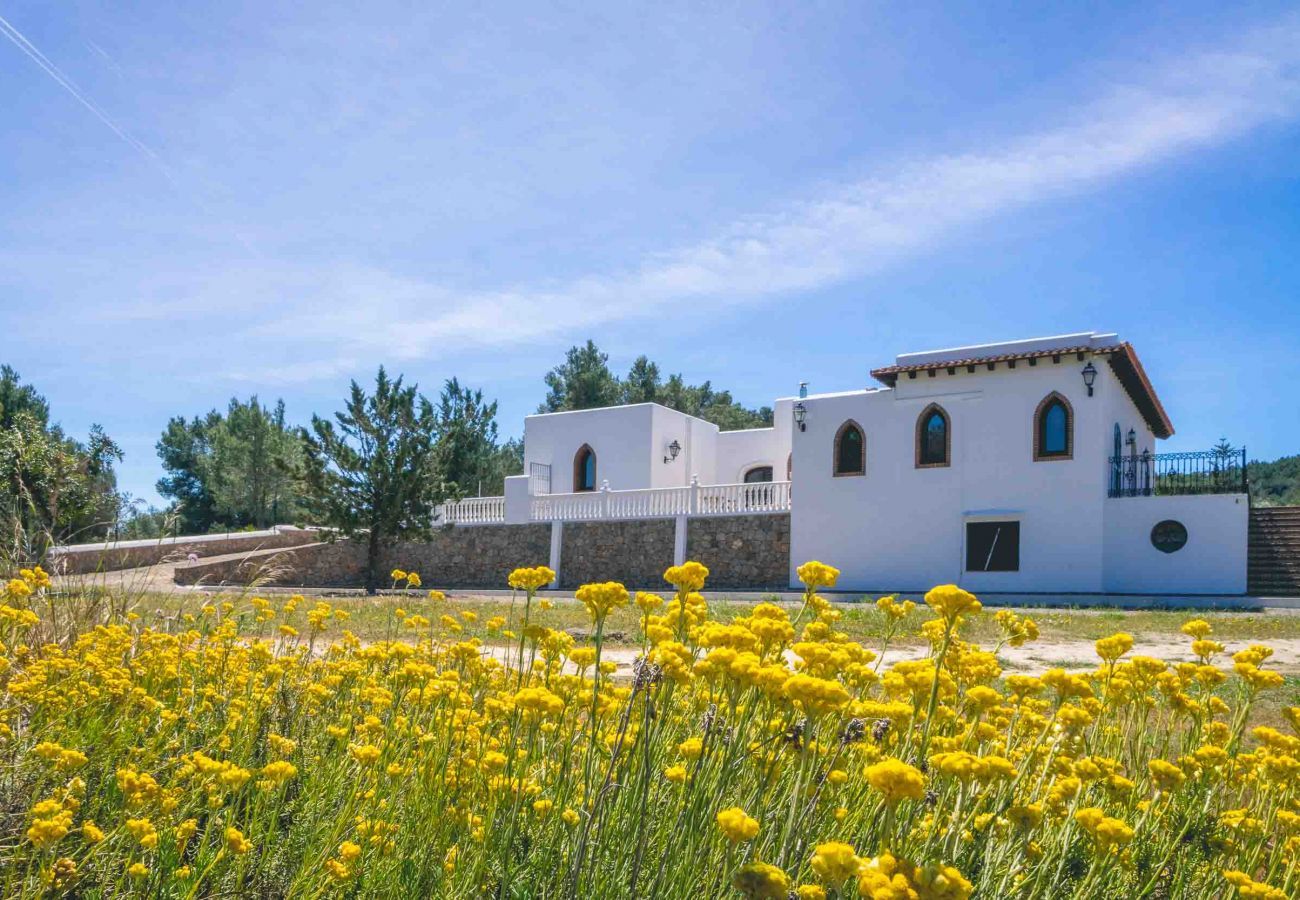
(850, 450)
(789, 466)
(758, 474)
(933, 438)
(584, 469)
(1053, 428)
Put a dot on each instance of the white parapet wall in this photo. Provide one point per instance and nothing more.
(1213, 560)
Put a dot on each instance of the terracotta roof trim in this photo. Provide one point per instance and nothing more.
(889, 374)
(1123, 361)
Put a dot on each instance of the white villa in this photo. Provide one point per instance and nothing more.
(1020, 467)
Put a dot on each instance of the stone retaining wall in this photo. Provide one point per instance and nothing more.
(742, 552)
(633, 552)
(318, 565)
(481, 556)
(84, 559)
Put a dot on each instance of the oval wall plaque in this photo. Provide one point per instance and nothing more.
(1169, 536)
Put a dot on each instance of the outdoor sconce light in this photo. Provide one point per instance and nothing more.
(1089, 376)
(800, 413)
(673, 449)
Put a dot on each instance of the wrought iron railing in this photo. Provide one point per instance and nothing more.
(1149, 474)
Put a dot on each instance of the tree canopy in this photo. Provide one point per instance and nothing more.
(469, 457)
(53, 488)
(373, 470)
(1275, 483)
(232, 470)
(585, 381)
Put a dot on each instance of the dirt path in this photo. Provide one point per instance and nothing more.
(158, 578)
(1032, 659)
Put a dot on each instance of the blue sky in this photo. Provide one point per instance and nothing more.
(254, 198)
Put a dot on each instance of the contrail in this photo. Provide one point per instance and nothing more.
(16, 37)
(35, 55)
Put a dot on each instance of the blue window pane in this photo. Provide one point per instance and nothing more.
(589, 472)
(935, 449)
(1055, 430)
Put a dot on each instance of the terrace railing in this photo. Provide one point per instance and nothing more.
(472, 511)
(1149, 474)
(655, 503)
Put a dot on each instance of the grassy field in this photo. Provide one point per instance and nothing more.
(188, 745)
(373, 617)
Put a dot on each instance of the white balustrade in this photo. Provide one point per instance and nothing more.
(568, 507)
(738, 499)
(653, 503)
(648, 503)
(472, 511)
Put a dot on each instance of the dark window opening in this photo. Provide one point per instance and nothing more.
(584, 470)
(758, 474)
(850, 450)
(992, 546)
(933, 439)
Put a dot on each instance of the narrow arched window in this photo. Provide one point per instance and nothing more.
(1053, 428)
(933, 438)
(758, 474)
(850, 450)
(584, 469)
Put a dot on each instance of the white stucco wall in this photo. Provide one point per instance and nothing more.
(698, 440)
(740, 451)
(630, 443)
(621, 437)
(1212, 562)
(903, 528)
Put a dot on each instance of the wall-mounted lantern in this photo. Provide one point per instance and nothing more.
(1089, 376)
(800, 413)
(673, 449)
(1132, 438)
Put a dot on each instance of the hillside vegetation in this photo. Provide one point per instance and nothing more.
(1276, 483)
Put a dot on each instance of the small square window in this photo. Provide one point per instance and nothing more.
(993, 546)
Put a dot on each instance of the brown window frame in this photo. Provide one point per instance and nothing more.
(862, 454)
(1043, 405)
(920, 437)
(578, 459)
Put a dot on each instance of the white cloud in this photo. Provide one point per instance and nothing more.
(1198, 100)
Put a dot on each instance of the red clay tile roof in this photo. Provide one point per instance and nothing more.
(889, 374)
(1123, 361)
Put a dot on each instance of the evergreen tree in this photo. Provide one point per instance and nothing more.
(582, 381)
(254, 456)
(642, 382)
(373, 469)
(232, 470)
(467, 439)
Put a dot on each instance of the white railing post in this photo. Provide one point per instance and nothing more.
(693, 507)
(604, 499)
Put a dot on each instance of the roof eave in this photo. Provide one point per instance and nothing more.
(1123, 361)
(1126, 365)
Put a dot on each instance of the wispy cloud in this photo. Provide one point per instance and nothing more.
(32, 52)
(1198, 100)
